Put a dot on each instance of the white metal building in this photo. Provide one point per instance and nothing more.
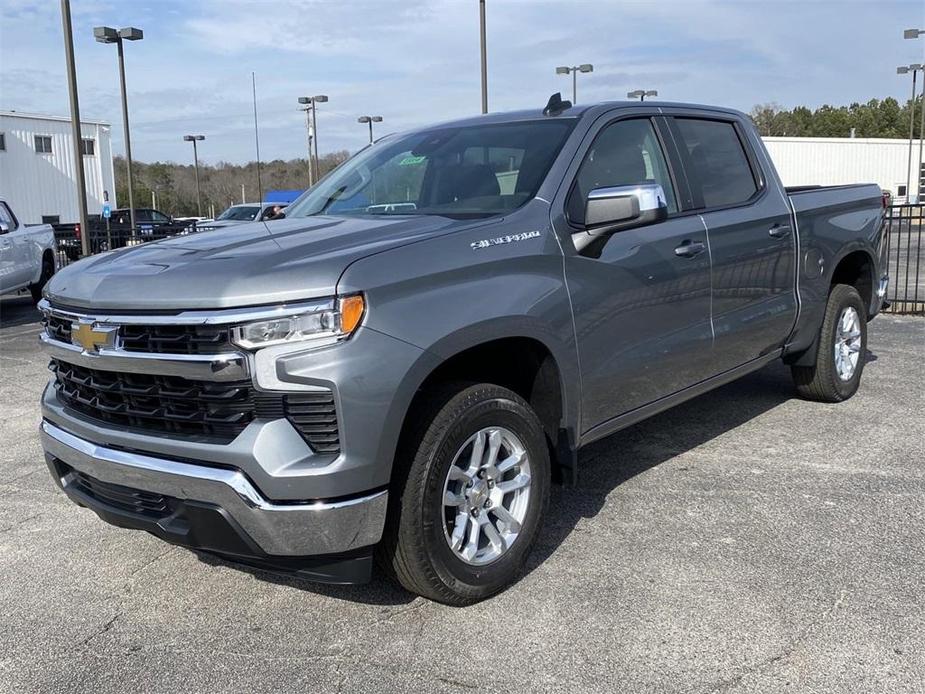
(37, 171)
(838, 160)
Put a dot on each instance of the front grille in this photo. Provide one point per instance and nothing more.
(136, 501)
(157, 339)
(176, 339)
(157, 404)
(217, 411)
(57, 328)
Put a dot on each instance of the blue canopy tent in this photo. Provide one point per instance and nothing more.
(284, 196)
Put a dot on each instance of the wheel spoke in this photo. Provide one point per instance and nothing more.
(478, 450)
(457, 473)
(511, 461)
(518, 482)
(854, 346)
(494, 537)
(472, 544)
(494, 445)
(503, 514)
(451, 499)
(459, 530)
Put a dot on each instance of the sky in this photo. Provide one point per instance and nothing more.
(416, 62)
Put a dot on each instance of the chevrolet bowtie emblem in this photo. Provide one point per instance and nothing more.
(92, 337)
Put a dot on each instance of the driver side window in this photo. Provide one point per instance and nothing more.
(624, 153)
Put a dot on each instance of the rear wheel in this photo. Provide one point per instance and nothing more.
(840, 357)
(471, 489)
(48, 269)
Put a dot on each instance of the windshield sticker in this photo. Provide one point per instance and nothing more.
(412, 161)
(510, 238)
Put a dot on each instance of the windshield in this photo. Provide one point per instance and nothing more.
(244, 213)
(471, 171)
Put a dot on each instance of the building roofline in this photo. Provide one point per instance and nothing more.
(45, 116)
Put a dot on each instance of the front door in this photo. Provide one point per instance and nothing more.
(641, 309)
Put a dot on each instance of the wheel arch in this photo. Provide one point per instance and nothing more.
(531, 365)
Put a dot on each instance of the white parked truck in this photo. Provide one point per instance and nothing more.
(27, 254)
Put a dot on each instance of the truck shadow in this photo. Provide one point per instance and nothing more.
(604, 466)
(608, 463)
(16, 310)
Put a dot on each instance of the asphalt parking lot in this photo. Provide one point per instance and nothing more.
(744, 542)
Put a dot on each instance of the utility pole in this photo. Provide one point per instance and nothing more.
(75, 126)
(257, 138)
(484, 56)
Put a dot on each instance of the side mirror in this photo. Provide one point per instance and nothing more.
(609, 210)
(4, 228)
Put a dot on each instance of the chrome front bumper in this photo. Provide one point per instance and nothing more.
(281, 529)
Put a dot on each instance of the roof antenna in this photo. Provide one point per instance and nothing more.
(555, 105)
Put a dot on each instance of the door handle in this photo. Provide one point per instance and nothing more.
(779, 231)
(688, 249)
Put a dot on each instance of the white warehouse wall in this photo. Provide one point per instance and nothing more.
(839, 160)
(37, 184)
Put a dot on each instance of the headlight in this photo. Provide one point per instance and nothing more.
(324, 324)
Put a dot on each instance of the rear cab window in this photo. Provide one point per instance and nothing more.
(718, 164)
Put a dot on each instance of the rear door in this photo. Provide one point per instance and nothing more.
(752, 244)
(642, 308)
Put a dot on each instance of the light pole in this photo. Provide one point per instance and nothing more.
(307, 107)
(110, 35)
(75, 126)
(914, 34)
(904, 70)
(311, 104)
(641, 94)
(574, 70)
(194, 139)
(483, 50)
(370, 120)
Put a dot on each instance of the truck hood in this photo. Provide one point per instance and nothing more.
(241, 265)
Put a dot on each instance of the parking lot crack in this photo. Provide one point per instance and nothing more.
(102, 630)
(19, 523)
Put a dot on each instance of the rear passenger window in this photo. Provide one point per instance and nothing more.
(720, 164)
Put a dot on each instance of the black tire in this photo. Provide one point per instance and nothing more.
(48, 269)
(414, 549)
(821, 381)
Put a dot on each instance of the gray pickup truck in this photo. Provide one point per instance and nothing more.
(403, 365)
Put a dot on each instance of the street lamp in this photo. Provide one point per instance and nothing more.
(913, 33)
(904, 70)
(110, 35)
(194, 139)
(310, 108)
(370, 120)
(641, 94)
(574, 70)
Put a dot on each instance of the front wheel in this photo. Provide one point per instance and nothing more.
(471, 489)
(841, 353)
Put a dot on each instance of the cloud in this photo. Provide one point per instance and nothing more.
(417, 61)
